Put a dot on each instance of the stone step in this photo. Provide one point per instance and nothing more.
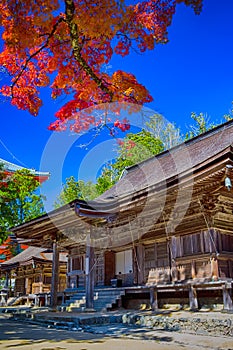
(100, 290)
(97, 297)
(103, 299)
(80, 294)
(97, 304)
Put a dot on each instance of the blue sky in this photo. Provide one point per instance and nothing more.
(192, 73)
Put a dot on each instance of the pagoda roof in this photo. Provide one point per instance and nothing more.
(10, 168)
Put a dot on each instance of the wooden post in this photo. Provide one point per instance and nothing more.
(193, 303)
(7, 280)
(173, 252)
(193, 269)
(140, 263)
(41, 279)
(46, 299)
(174, 271)
(55, 276)
(214, 268)
(153, 298)
(227, 298)
(89, 275)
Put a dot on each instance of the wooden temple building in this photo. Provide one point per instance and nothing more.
(31, 272)
(164, 231)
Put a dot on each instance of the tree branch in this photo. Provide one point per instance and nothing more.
(77, 48)
(35, 53)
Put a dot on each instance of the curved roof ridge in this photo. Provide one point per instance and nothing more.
(194, 139)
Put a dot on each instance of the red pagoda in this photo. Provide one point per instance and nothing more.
(10, 168)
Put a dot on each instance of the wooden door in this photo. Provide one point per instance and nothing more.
(99, 269)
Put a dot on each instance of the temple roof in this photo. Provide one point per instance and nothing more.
(10, 168)
(31, 254)
(179, 160)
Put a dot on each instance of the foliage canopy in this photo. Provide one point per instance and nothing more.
(70, 44)
(73, 189)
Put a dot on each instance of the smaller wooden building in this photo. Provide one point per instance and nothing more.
(30, 272)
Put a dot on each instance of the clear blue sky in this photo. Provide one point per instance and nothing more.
(192, 73)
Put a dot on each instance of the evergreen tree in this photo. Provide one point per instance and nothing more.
(73, 189)
(18, 200)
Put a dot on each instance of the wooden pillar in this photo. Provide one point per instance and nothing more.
(55, 276)
(37, 301)
(193, 269)
(153, 298)
(90, 278)
(46, 299)
(174, 271)
(10, 280)
(214, 268)
(227, 297)
(7, 280)
(193, 302)
(140, 263)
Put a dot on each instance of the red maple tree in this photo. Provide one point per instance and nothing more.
(65, 44)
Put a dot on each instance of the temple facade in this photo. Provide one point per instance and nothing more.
(164, 231)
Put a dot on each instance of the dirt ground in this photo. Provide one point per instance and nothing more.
(23, 336)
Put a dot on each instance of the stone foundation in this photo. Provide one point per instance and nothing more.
(198, 325)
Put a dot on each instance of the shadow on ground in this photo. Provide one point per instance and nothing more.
(31, 333)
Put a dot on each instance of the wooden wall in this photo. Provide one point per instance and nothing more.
(208, 254)
(34, 280)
